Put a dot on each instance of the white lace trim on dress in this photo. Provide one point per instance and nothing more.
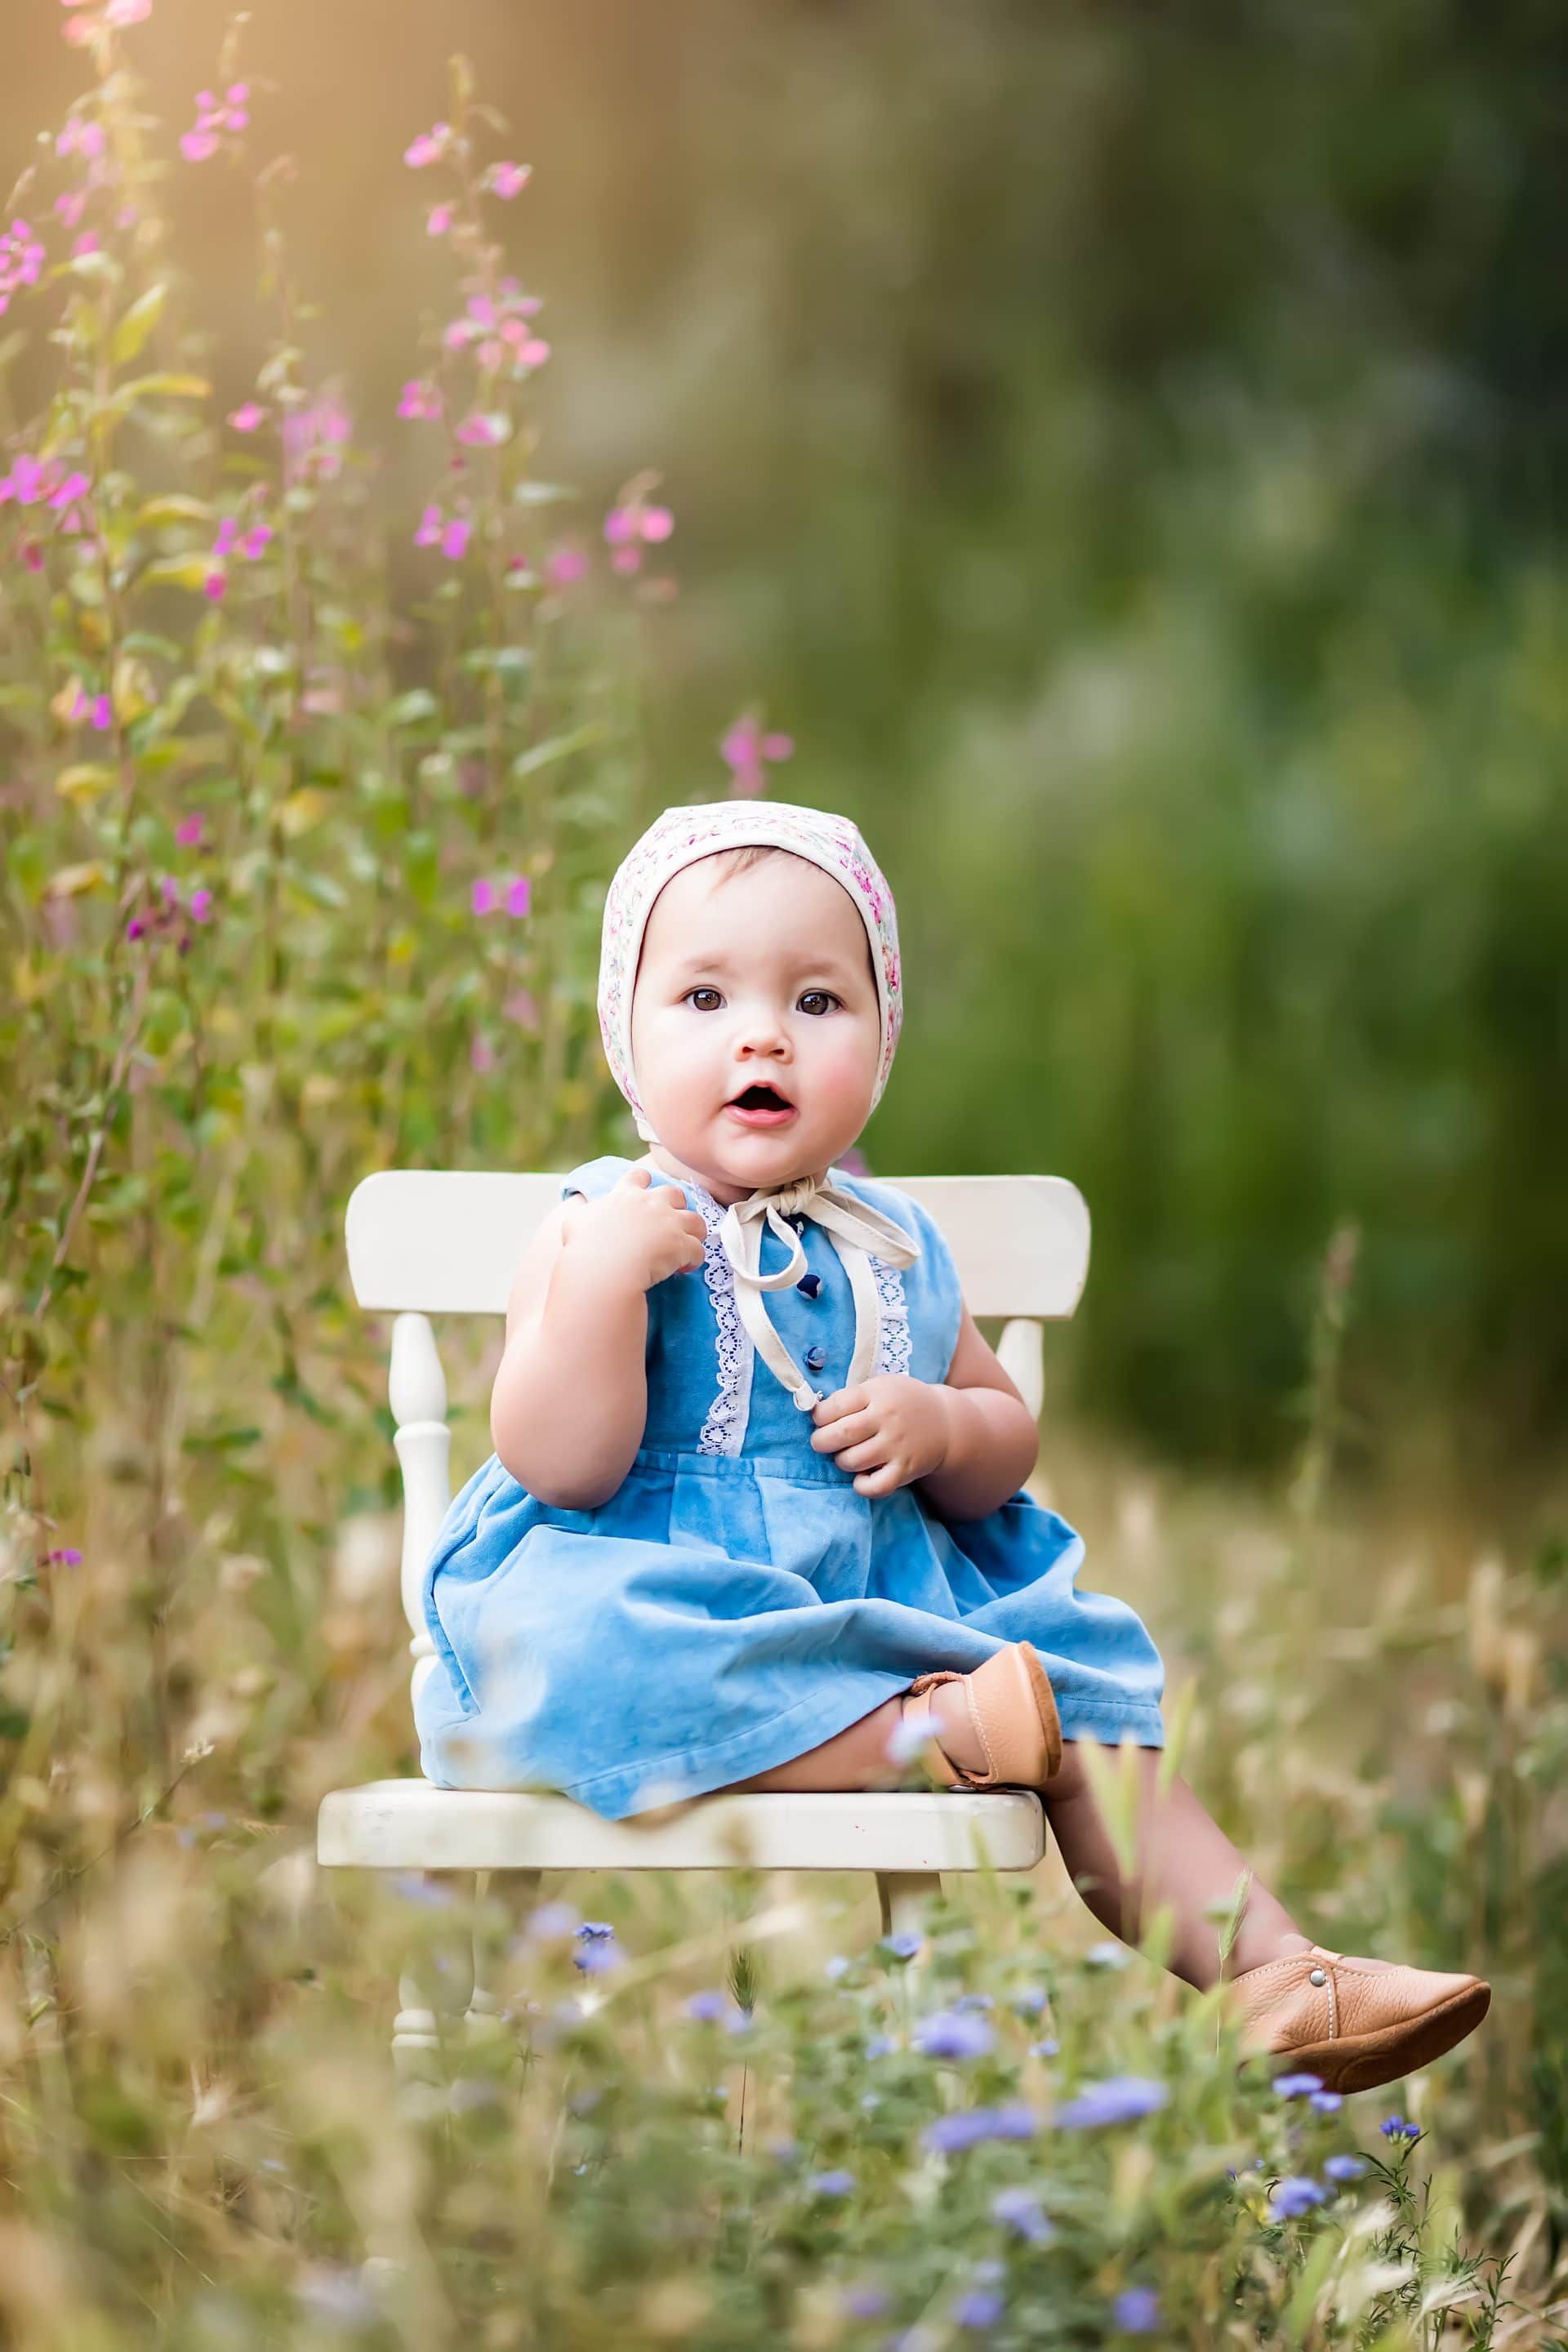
(724, 1431)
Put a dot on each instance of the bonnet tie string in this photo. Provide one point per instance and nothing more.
(856, 1232)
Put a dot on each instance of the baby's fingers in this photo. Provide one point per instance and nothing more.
(854, 1429)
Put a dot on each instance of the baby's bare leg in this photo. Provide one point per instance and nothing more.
(1185, 1861)
(856, 1759)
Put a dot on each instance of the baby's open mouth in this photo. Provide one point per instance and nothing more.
(762, 1104)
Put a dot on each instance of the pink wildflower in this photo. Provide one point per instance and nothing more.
(188, 832)
(428, 148)
(249, 417)
(120, 13)
(102, 713)
(521, 1007)
(563, 565)
(85, 244)
(419, 400)
(70, 206)
(314, 439)
(508, 179)
(479, 432)
(65, 1556)
(21, 260)
(482, 1053)
(215, 587)
(657, 523)
(455, 537)
(519, 895)
(629, 526)
(429, 531)
(743, 748)
(483, 898)
(439, 220)
(201, 904)
(81, 137)
(215, 118)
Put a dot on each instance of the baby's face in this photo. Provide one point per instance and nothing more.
(759, 979)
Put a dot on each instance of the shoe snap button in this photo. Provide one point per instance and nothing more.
(1317, 1977)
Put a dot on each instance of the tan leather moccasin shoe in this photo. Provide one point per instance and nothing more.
(1014, 1711)
(1354, 2022)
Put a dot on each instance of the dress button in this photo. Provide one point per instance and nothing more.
(810, 1283)
(815, 1358)
(1317, 1977)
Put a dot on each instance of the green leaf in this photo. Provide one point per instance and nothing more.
(320, 888)
(87, 780)
(171, 509)
(556, 747)
(138, 323)
(411, 709)
(188, 570)
(220, 1441)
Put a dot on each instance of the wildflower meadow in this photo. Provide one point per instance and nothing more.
(311, 785)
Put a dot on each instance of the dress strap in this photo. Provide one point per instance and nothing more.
(856, 1231)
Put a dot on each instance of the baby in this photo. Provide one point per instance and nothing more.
(755, 1516)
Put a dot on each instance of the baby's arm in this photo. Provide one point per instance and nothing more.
(570, 1400)
(993, 1442)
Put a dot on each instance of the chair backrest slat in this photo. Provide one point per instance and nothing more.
(448, 1241)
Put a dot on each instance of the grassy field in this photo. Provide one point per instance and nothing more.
(310, 794)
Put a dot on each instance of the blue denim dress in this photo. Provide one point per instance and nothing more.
(736, 1601)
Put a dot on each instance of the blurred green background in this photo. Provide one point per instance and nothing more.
(1125, 448)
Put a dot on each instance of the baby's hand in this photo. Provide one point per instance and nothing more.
(889, 1430)
(638, 1232)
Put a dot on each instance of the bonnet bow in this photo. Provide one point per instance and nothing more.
(858, 1233)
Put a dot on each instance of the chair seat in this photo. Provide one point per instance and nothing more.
(413, 1825)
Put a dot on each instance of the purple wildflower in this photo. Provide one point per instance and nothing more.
(1048, 2048)
(64, 1556)
(864, 2299)
(1399, 2127)
(1136, 2311)
(1327, 2103)
(953, 2033)
(1029, 2001)
(1019, 2209)
(982, 2307)
(831, 2184)
(1343, 2168)
(707, 2008)
(903, 1946)
(951, 2135)
(1294, 2195)
(1121, 2099)
(1296, 2086)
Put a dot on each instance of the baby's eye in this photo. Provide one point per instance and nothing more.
(816, 1000)
(692, 993)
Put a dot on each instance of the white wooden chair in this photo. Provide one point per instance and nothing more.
(435, 1243)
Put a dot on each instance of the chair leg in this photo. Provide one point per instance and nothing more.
(903, 1896)
(485, 2021)
(435, 1991)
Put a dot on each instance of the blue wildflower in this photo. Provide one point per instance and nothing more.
(784, 2151)
(1400, 2127)
(707, 2008)
(1047, 2048)
(1107, 1955)
(903, 1946)
(836, 1968)
(1019, 2209)
(1029, 2002)
(415, 1887)
(831, 2184)
(1327, 2103)
(977, 2002)
(551, 1921)
(880, 2045)
(1121, 2099)
(598, 1956)
(1294, 2195)
(1343, 2168)
(951, 2134)
(1136, 2311)
(864, 2299)
(953, 2033)
(1296, 2086)
(982, 2307)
